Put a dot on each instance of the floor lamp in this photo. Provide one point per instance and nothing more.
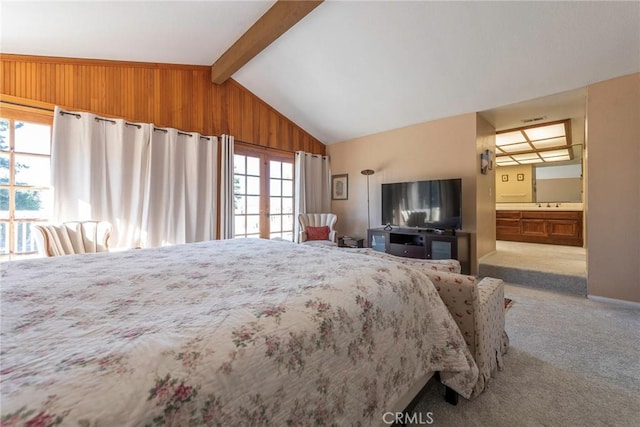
(368, 172)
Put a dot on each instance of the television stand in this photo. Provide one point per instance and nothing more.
(424, 243)
(450, 232)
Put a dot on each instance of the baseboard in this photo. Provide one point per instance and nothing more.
(630, 304)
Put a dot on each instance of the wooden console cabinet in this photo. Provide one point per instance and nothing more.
(550, 227)
(416, 243)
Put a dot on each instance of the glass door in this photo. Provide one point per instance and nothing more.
(263, 194)
(25, 151)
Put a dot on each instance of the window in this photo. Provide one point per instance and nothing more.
(25, 194)
(281, 199)
(263, 194)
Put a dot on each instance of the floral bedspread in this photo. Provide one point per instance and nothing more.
(236, 332)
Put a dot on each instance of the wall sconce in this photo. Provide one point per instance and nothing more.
(486, 161)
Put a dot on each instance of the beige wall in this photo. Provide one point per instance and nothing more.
(447, 148)
(514, 191)
(613, 188)
(485, 193)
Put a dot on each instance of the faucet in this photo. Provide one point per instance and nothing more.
(539, 205)
(558, 205)
(548, 205)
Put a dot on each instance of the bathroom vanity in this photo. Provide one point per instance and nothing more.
(549, 223)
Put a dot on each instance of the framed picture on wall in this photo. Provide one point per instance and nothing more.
(520, 177)
(505, 178)
(340, 187)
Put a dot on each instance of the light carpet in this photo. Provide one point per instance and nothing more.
(572, 362)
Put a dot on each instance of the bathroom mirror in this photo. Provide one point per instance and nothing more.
(551, 182)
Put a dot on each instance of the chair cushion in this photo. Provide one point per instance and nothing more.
(318, 233)
(321, 243)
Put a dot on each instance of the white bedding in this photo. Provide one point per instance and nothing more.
(235, 332)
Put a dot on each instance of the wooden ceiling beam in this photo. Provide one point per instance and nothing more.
(275, 22)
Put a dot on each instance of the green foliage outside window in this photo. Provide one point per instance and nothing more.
(26, 200)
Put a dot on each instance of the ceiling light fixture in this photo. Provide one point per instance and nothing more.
(546, 142)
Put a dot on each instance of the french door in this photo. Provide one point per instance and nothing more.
(25, 152)
(263, 193)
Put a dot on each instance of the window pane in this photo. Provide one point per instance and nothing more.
(32, 204)
(23, 240)
(275, 206)
(253, 166)
(275, 221)
(4, 169)
(4, 236)
(239, 186)
(253, 224)
(287, 236)
(275, 186)
(32, 170)
(287, 170)
(275, 169)
(287, 205)
(253, 205)
(4, 203)
(275, 235)
(238, 164)
(253, 185)
(287, 222)
(239, 225)
(287, 188)
(253, 236)
(33, 138)
(240, 205)
(4, 134)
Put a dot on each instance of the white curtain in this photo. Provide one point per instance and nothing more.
(156, 187)
(99, 170)
(312, 186)
(180, 202)
(226, 188)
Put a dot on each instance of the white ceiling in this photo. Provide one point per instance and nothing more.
(350, 69)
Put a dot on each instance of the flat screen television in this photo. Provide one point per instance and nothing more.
(423, 204)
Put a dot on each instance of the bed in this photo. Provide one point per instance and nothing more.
(234, 332)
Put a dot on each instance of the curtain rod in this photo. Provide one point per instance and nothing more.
(310, 154)
(101, 119)
(266, 147)
(25, 105)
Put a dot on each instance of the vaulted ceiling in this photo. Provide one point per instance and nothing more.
(350, 69)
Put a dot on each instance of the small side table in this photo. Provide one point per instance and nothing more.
(350, 242)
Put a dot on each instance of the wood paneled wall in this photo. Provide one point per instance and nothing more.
(167, 95)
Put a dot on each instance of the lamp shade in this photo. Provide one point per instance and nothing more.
(367, 172)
